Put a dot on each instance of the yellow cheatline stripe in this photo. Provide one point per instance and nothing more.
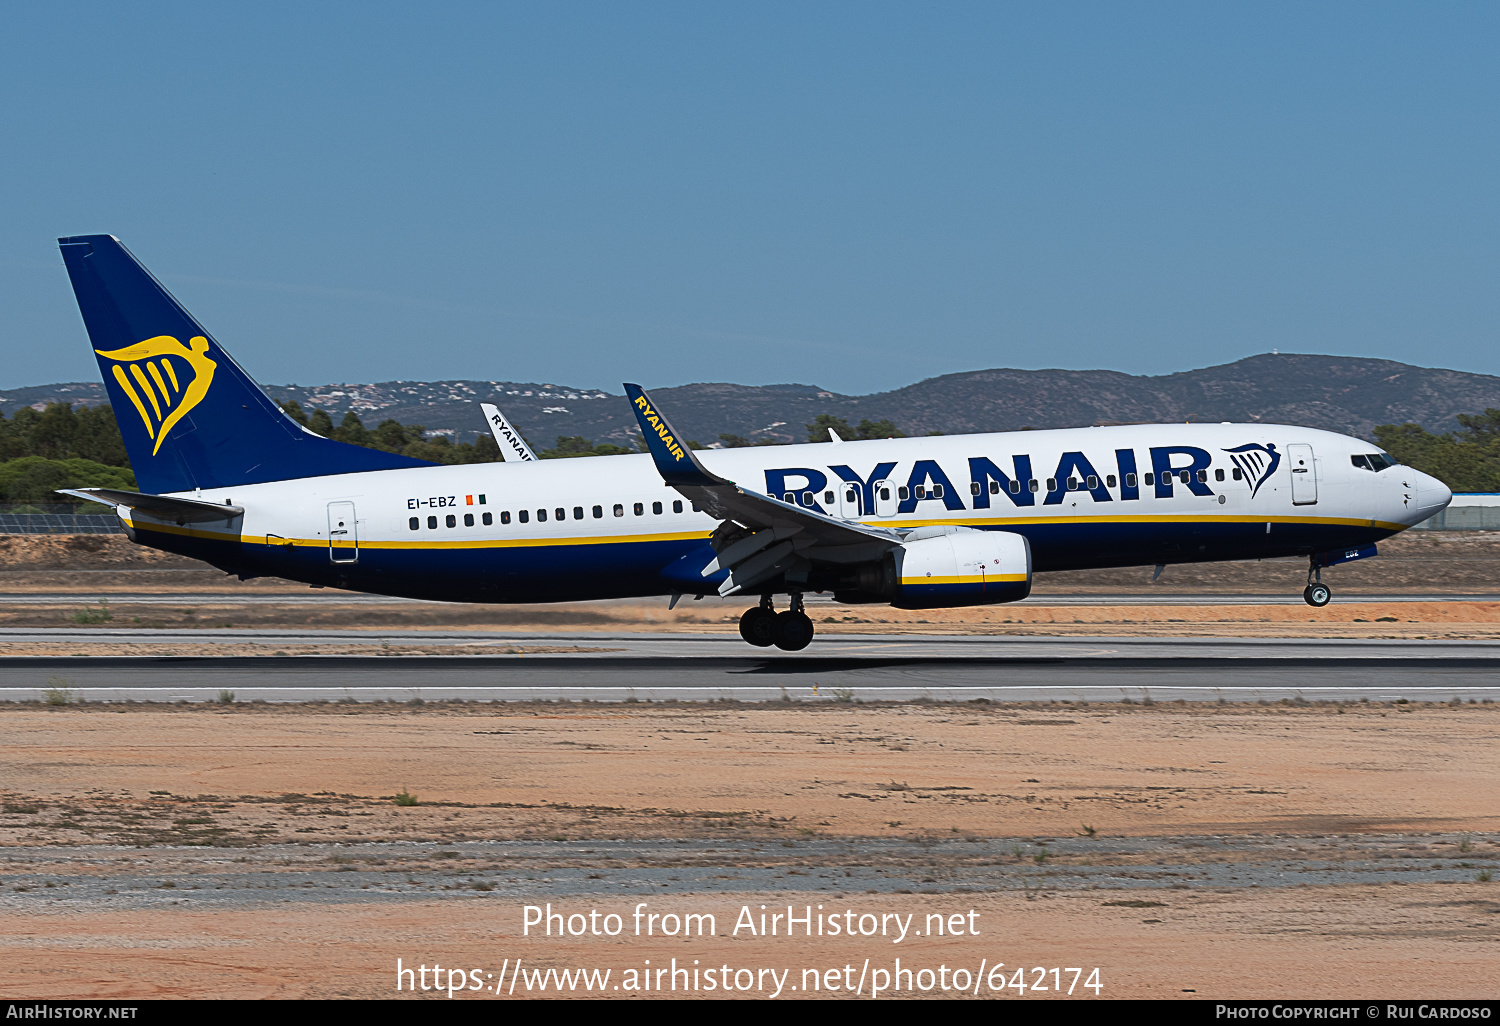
(130, 391)
(167, 364)
(494, 543)
(964, 579)
(1145, 518)
(156, 377)
(140, 379)
(504, 543)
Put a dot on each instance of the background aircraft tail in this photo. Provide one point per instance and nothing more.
(190, 416)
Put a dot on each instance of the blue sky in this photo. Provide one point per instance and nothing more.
(853, 195)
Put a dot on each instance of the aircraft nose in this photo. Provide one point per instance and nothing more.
(1432, 495)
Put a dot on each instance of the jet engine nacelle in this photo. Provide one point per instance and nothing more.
(948, 566)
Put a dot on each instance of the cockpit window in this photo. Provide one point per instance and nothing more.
(1376, 461)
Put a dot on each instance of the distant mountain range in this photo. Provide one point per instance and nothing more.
(1344, 394)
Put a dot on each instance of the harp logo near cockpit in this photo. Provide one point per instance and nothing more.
(1258, 462)
(163, 379)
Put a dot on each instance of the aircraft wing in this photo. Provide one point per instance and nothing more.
(513, 447)
(163, 507)
(777, 533)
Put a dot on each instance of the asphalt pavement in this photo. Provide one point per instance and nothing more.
(695, 667)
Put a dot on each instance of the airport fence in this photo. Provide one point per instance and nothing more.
(1464, 518)
(56, 518)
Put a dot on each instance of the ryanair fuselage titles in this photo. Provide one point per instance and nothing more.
(930, 521)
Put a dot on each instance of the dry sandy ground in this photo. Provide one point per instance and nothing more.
(1321, 779)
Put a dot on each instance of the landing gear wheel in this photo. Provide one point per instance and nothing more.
(758, 626)
(793, 631)
(1317, 595)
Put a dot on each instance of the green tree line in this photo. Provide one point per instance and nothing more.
(63, 446)
(1466, 460)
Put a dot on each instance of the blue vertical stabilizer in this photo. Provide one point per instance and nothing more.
(190, 416)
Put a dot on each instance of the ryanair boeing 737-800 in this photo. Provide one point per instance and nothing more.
(227, 478)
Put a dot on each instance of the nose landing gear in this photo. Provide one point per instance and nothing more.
(1316, 593)
(790, 631)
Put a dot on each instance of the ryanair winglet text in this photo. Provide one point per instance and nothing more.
(651, 417)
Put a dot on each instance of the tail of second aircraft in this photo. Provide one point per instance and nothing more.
(190, 416)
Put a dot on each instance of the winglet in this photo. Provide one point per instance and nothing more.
(674, 460)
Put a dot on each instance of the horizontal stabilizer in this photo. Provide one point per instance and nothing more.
(162, 507)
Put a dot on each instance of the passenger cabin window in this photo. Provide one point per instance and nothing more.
(560, 513)
(1015, 487)
(921, 491)
(1219, 474)
(1072, 484)
(432, 523)
(488, 519)
(828, 497)
(1184, 476)
(414, 523)
(619, 510)
(1109, 482)
(656, 508)
(1130, 481)
(903, 494)
(1150, 478)
(640, 509)
(974, 487)
(937, 491)
(577, 512)
(1093, 482)
(807, 499)
(676, 505)
(1033, 486)
(598, 512)
(1202, 477)
(1238, 474)
(541, 516)
(524, 516)
(468, 520)
(1051, 484)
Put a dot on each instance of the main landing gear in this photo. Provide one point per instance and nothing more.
(763, 627)
(1316, 593)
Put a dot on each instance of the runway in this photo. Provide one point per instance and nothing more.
(617, 667)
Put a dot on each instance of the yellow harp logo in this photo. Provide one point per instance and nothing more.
(172, 377)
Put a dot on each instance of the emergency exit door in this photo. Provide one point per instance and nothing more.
(849, 501)
(1304, 475)
(343, 534)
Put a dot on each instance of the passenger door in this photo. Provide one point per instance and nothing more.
(343, 534)
(886, 502)
(1304, 475)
